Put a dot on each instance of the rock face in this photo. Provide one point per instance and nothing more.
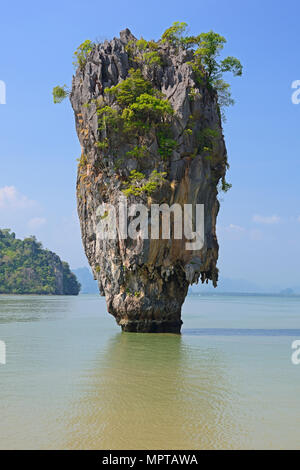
(145, 281)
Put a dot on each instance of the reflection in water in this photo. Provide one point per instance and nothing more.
(153, 391)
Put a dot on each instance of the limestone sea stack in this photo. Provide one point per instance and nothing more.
(150, 130)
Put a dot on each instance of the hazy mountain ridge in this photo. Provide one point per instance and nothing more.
(87, 281)
(243, 286)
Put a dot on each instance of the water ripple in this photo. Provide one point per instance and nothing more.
(239, 332)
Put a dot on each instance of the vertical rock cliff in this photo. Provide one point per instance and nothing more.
(150, 128)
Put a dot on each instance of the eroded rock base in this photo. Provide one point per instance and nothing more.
(151, 326)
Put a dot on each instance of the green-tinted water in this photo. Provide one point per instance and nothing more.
(72, 380)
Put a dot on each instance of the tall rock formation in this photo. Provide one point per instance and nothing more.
(168, 148)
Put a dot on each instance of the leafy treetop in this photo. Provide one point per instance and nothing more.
(127, 91)
(207, 48)
(174, 34)
(82, 52)
(60, 93)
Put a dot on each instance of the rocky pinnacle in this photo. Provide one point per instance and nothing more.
(145, 281)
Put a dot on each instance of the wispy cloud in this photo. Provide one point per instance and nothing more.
(231, 231)
(235, 228)
(11, 198)
(36, 222)
(234, 232)
(269, 219)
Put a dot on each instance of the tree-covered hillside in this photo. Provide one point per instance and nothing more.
(27, 268)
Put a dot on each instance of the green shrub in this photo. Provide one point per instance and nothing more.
(137, 152)
(224, 185)
(82, 52)
(152, 58)
(152, 45)
(155, 179)
(139, 184)
(104, 144)
(142, 106)
(131, 88)
(109, 118)
(206, 138)
(148, 108)
(174, 34)
(60, 93)
(141, 44)
(166, 144)
(205, 63)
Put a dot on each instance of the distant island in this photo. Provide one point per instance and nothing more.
(27, 268)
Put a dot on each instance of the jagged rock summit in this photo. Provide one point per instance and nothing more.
(150, 130)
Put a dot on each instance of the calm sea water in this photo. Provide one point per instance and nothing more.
(74, 381)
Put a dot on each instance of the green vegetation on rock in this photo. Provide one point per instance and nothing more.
(82, 52)
(127, 91)
(152, 58)
(139, 184)
(137, 152)
(138, 109)
(60, 93)
(136, 112)
(206, 49)
(140, 106)
(27, 268)
(174, 34)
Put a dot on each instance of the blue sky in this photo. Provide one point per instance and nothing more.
(258, 224)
